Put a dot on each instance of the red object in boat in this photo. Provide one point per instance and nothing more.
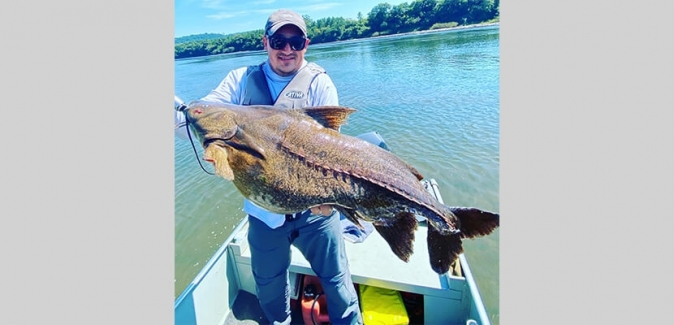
(311, 288)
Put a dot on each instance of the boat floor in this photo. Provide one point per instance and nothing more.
(246, 308)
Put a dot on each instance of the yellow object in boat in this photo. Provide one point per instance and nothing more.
(381, 306)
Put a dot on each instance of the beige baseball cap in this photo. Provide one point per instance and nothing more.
(282, 17)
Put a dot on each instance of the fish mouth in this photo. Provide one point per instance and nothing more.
(215, 142)
(221, 142)
(216, 154)
(219, 138)
(239, 143)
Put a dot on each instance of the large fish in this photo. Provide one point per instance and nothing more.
(288, 160)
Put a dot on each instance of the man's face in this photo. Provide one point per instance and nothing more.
(285, 61)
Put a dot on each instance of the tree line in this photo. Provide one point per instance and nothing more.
(383, 19)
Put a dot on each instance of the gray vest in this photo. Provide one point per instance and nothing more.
(295, 93)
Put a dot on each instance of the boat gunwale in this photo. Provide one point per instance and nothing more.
(210, 264)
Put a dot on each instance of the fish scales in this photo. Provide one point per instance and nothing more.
(408, 193)
(332, 151)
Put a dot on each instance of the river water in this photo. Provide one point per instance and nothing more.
(434, 97)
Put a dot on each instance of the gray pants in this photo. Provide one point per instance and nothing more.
(320, 241)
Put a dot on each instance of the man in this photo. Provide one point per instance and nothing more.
(285, 79)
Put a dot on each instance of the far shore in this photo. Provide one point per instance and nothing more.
(442, 29)
(427, 31)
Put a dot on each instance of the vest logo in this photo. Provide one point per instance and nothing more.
(294, 94)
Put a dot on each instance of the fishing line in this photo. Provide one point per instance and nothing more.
(182, 108)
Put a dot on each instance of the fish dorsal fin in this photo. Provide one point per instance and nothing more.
(329, 116)
(414, 171)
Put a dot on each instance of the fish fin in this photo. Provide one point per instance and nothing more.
(414, 171)
(329, 116)
(349, 214)
(244, 142)
(399, 234)
(443, 250)
(475, 222)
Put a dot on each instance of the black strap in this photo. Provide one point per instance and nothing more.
(291, 217)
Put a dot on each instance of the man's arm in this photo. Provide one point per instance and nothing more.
(230, 89)
(323, 92)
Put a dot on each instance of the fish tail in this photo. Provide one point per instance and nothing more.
(475, 222)
(445, 246)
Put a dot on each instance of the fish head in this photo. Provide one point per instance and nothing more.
(213, 125)
(211, 121)
(225, 133)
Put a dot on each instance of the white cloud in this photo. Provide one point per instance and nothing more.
(213, 4)
(227, 14)
(320, 7)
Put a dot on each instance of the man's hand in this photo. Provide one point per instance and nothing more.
(322, 210)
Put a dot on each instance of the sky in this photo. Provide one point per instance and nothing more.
(194, 17)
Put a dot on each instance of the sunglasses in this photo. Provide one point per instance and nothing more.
(278, 42)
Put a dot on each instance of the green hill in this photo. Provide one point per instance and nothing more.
(199, 37)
